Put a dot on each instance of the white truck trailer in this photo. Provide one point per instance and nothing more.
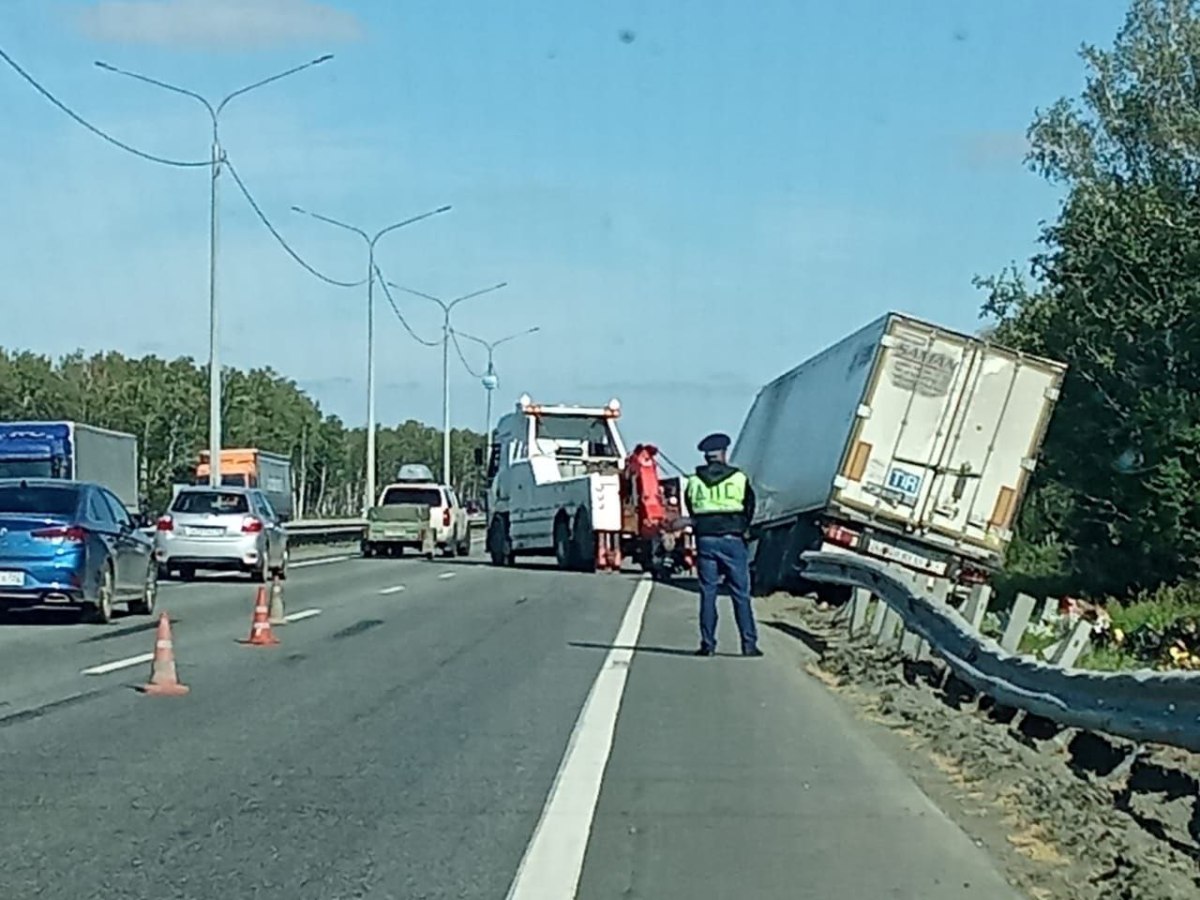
(905, 441)
(555, 485)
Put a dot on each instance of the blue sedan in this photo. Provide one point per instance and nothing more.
(70, 542)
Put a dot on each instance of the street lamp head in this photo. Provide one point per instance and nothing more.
(443, 209)
(300, 209)
(100, 64)
(322, 59)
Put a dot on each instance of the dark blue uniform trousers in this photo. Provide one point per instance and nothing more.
(725, 555)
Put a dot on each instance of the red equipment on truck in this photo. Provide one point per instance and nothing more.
(656, 532)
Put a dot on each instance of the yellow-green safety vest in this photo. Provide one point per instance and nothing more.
(728, 496)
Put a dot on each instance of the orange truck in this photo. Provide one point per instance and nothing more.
(269, 472)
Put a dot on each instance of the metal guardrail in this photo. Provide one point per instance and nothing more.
(318, 531)
(1143, 706)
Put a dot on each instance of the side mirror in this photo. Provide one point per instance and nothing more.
(479, 456)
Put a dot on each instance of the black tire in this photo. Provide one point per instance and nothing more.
(564, 553)
(368, 549)
(499, 542)
(187, 573)
(451, 549)
(261, 574)
(144, 605)
(583, 543)
(99, 610)
(464, 549)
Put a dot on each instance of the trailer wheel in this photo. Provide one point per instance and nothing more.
(583, 543)
(562, 542)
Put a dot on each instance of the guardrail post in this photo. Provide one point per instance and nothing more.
(977, 605)
(939, 591)
(893, 625)
(878, 619)
(1072, 648)
(1049, 608)
(858, 614)
(1018, 621)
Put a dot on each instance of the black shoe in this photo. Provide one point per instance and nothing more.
(705, 651)
(752, 651)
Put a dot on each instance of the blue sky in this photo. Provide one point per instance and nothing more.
(688, 199)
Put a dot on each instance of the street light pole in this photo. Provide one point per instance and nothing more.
(490, 380)
(371, 241)
(447, 308)
(218, 158)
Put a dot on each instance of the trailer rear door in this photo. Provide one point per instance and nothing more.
(946, 436)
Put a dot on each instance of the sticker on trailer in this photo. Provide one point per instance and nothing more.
(907, 484)
(917, 368)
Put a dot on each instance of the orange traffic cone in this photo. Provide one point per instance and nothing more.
(260, 626)
(163, 680)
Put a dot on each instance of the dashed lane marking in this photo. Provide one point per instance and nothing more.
(301, 615)
(118, 665)
(446, 575)
(323, 561)
(396, 589)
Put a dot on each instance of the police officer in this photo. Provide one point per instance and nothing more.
(721, 502)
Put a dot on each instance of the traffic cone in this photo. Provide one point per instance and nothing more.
(163, 680)
(260, 626)
(277, 612)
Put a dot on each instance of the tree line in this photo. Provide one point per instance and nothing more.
(1115, 293)
(164, 403)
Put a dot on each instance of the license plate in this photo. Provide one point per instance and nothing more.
(12, 579)
(195, 531)
(905, 557)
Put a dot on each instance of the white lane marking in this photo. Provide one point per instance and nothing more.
(323, 561)
(119, 664)
(553, 860)
(446, 575)
(393, 590)
(301, 615)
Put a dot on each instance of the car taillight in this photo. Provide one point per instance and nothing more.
(446, 516)
(166, 523)
(71, 533)
(251, 525)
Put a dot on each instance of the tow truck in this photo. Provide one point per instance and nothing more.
(562, 485)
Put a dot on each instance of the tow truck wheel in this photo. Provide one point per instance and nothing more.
(583, 543)
(562, 542)
(499, 542)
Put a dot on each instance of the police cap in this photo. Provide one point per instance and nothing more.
(714, 443)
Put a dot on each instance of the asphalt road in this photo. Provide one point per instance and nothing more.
(447, 730)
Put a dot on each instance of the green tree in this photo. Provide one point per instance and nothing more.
(164, 403)
(1115, 293)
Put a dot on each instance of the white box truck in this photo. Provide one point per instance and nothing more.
(72, 450)
(905, 441)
